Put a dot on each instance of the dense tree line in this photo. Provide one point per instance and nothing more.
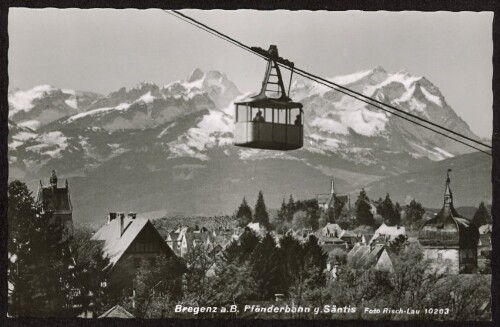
(256, 267)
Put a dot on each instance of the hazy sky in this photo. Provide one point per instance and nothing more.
(102, 50)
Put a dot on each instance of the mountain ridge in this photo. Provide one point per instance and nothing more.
(168, 147)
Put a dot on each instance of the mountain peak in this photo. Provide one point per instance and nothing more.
(196, 75)
(379, 69)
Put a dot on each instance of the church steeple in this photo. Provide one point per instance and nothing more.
(332, 191)
(448, 196)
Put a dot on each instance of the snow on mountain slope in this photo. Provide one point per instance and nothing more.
(335, 123)
(154, 148)
(44, 104)
(353, 124)
(23, 100)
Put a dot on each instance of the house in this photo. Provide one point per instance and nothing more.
(57, 200)
(194, 239)
(258, 228)
(331, 230)
(450, 240)
(327, 201)
(370, 256)
(349, 237)
(388, 233)
(117, 312)
(128, 242)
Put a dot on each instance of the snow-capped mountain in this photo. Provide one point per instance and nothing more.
(341, 121)
(170, 147)
(44, 104)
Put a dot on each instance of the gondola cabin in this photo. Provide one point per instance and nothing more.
(270, 120)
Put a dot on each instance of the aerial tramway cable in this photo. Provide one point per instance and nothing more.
(342, 89)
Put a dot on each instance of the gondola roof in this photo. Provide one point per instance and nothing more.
(263, 101)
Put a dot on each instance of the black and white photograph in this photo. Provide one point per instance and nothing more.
(250, 164)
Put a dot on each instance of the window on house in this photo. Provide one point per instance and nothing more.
(440, 256)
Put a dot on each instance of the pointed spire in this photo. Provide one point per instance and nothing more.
(332, 191)
(448, 196)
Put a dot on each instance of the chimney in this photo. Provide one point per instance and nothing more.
(132, 215)
(111, 216)
(122, 221)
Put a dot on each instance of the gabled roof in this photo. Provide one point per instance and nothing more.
(347, 233)
(324, 198)
(365, 256)
(114, 244)
(331, 228)
(116, 312)
(390, 231)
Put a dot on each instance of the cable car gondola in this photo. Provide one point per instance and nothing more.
(270, 120)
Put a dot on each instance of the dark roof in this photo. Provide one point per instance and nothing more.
(116, 312)
(56, 199)
(324, 198)
(327, 248)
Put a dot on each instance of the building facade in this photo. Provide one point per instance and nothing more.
(129, 242)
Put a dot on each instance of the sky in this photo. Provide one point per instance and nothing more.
(102, 50)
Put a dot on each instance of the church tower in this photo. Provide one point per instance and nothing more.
(57, 200)
(450, 240)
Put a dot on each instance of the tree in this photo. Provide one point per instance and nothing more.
(244, 214)
(396, 219)
(39, 263)
(90, 274)
(300, 220)
(267, 268)
(239, 252)
(198, 287)
(242, 286)
(281, 218)
(337, 209)
(260, 213)
(482, 216)
(290, 208)
(292, 252)
(158, 286)
(315, 257)
(386, 210)
(364, 215)
(21, 215)
(414, 212)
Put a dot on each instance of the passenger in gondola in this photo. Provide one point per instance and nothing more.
(298, 120)
(258, 117)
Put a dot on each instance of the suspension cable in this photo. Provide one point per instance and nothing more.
(356, 95)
